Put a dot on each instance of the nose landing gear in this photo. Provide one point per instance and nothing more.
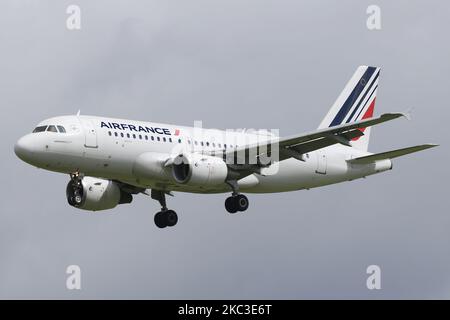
(75, 190)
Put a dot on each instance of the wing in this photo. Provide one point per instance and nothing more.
(296, 146)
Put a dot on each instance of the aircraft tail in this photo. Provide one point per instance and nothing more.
(356, 102)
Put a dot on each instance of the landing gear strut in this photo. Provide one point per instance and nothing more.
(237, 202)
(165, 217)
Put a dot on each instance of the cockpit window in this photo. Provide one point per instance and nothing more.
(52, 129)
(40, 129)
(61, 129)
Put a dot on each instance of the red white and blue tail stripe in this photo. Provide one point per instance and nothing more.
(356, 102)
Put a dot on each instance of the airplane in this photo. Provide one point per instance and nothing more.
(111, 160)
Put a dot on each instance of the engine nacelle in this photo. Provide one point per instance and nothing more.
(96, 194)
(199, 170)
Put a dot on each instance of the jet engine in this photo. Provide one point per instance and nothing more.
(95, 194)
(199, 170)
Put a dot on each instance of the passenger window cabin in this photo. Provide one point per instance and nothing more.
(213, 145)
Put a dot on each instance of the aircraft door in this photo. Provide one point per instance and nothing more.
(90, 134)
(321, 162)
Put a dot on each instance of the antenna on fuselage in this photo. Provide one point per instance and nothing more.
(78, 113)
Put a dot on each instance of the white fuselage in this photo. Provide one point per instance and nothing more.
(109, 148)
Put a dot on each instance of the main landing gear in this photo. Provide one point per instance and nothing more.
(165, 217)
(237, 202)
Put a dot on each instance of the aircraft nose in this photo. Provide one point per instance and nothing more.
(23, 148)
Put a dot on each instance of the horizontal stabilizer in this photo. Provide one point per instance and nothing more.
(390, 154)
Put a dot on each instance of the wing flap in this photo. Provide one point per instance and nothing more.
(390, 154)
(320, 143)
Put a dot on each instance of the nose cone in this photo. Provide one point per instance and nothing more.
(24, 148)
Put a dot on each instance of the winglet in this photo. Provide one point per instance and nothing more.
(393, 115)
(408, 113)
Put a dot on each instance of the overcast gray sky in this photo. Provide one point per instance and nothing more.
(232, 64)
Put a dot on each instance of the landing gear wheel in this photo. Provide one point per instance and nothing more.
(71, 200)
(231, 205)
(236, 203)
(164, 218)
(171, 218)
(241, 202)
(74, 190)
(78, 199)
(167, 218)
(160, 220)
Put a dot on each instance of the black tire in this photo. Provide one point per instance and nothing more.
(171, 218)
(71, 200)
(231, 205)
(160, 220)
(241, 202)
